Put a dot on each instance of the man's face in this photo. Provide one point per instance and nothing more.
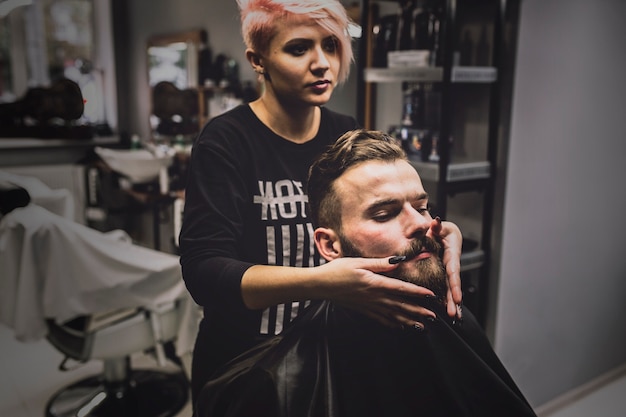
(385, 212)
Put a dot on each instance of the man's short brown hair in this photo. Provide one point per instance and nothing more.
(351, 149)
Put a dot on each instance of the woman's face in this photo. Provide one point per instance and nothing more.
(302, 64)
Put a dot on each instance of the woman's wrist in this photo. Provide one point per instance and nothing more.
(263, 286)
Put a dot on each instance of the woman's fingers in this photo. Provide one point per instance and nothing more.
(393, 311)
(452, 240)
(390, 301)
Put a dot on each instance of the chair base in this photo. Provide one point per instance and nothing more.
(145, 393)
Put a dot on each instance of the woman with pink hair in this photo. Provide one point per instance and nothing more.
(247, 250)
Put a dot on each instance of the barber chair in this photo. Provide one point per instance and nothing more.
(110, 335)
(120, 391)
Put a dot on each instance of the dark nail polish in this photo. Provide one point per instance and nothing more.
(438, 219)
(417, 327)
(397, 259)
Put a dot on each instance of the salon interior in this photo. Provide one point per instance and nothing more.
(100, 103)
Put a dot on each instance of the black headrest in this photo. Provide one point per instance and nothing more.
(12, 197)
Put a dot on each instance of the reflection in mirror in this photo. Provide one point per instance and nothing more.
(168, 63)
(189, 86)
(47, 48)
(173, 79)
(174, 58)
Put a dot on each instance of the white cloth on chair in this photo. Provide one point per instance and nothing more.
(52, 267)
(59, 201)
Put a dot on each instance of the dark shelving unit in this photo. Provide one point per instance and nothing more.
(474, 107)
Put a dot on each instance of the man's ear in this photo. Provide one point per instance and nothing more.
(327, 242)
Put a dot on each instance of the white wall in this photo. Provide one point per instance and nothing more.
(561, 308)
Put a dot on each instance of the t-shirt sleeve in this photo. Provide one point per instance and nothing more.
(213, 218)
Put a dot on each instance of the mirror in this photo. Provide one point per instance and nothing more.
(173, 79)
(174, 58)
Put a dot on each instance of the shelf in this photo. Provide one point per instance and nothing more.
(467, 105)
(474, 74)
(37, 151)
(392, 75)
(472, 260)
(462, 171)
(39, 143)
(430, 74)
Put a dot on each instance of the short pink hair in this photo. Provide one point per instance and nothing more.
(259, 20)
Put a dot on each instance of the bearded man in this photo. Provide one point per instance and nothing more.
(367, 200)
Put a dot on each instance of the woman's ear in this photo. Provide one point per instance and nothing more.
(255, 61)
(327, 242)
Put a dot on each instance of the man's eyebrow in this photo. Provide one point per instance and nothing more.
(387, 201)
(382, 203)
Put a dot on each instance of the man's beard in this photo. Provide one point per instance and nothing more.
(429, 272)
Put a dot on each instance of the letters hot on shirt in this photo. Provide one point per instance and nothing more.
(289, 235)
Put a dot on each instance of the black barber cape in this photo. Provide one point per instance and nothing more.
(334, 362)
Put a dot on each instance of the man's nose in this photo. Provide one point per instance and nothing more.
(417, 223)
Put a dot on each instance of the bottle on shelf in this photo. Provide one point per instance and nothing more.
(465, 54)
(411, 132)
(206, 70)
(405, 35)
(135, 142)
(384, 39)
(412, 105)
(482, 49)
(418, 131)
(432, 121)
(426, 30)
(417, 35)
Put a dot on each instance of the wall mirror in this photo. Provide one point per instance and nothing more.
(173, 79)
(174, 58)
